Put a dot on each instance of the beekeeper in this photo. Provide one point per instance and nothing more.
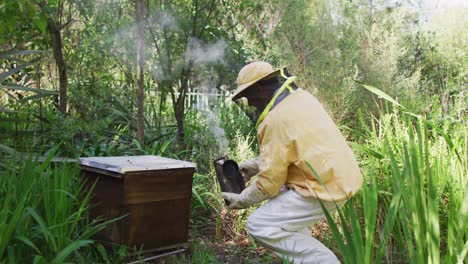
(303, 159)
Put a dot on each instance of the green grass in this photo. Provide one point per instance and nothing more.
(44, 214)
(413, 206)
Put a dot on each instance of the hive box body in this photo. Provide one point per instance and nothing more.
(155, 198)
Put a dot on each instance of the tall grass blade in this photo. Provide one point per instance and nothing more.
(42, 225)
(370, 202)
(388, 226)
(11, 212)
(73, 247)
(347, 254)
(29, 243)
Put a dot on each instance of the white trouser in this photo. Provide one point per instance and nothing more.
(281, 224)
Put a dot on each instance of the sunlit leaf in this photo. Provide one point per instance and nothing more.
(33, 97)
(4, 75)
(41, 24)
(6, 54)
(380, 93)
(25, 88)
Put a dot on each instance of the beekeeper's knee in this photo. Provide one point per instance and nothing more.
(316, 252)
(326, 258)
(257, 227)
(252, 225)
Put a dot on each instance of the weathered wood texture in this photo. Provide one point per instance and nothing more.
(157, 204)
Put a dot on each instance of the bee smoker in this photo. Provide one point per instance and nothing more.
(229, 176)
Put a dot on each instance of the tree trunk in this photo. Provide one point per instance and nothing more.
(179, 114)
(179, 104)
(56, 40)
(140, 20)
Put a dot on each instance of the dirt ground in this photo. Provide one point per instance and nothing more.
(232, 244)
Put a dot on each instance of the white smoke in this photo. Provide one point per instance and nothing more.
(165, 21)
(212, 116)
(207, 105)
(199, 52)
(124, 37)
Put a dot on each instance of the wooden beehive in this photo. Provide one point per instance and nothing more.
(153, 192)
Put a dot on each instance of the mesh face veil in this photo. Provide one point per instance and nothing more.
(286, 85)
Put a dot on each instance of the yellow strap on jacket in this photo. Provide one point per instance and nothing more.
(286, 85)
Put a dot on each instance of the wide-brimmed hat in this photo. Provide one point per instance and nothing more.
(252, 73)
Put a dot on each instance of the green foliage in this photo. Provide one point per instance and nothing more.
(8, 82)
(425, 165)
(315, 41)
(235, 122)
(242, 148)
(423, 170)
(327, 44)
(43, 217)
(15, 95)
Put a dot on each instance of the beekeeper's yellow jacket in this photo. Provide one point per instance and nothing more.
(298, 131)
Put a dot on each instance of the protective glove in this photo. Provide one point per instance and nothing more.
(248, 197)
(249, 168)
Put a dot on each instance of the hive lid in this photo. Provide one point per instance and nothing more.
(126, 164)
